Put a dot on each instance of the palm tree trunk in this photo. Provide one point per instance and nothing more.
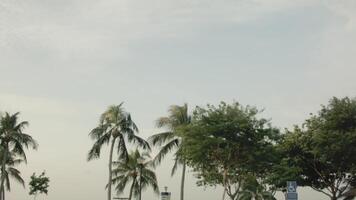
(3, 165)
(140, 197)
(182, 182)
(110, 167)
(132, 187)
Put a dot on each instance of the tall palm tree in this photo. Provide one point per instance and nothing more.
(139, 174)
(12, 141)
(115, 127)
(178, 117)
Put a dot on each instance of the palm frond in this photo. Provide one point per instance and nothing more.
(165, 150)
(164, 122)
(175, 166)
(139, 141)
(98, 131)
(122, 149)
(177, 118)
(7, 182)
(132, 171)
(16, 175)
(160, 138)
(94, 152)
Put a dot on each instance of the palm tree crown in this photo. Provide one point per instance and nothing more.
(114, 124)
(170, 140)
(135, 172)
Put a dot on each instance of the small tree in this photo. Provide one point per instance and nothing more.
(141, 175)
(39, 184)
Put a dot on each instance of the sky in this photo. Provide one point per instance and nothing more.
(63, 62)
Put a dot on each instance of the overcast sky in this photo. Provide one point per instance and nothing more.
(62, 62)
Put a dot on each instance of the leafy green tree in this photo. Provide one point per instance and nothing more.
(225, 143)
(253, 190)
(39, 184)
(115, 127)
(13, 141)
(321, 153)
(139, 174)
(171, 140)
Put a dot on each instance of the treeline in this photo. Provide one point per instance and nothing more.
(228, 145)
(232, 146)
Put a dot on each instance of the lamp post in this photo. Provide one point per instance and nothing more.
(140, 162)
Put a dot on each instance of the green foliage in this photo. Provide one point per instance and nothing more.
(253, 190)
(39, 184)
(135, 173)
(12, 137)
(115, 124)
(13, 142)
(11, 171)
(171, 140)
(225, 143)
(321, 154)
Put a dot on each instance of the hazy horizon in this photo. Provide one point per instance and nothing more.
(63, 62)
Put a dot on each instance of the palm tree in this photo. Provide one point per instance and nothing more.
(116, 126)
(177, 118)
(11, 172)
(12, 141)
(139, 174)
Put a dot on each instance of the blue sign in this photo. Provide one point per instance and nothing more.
(291, 186)
(291, 190)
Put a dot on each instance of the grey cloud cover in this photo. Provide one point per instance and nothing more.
(63, 61)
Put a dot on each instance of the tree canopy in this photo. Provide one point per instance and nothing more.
(321, 153)
(139, 175)
(39, 184)
(225, 143)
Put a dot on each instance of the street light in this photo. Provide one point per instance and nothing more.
(140, 162)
